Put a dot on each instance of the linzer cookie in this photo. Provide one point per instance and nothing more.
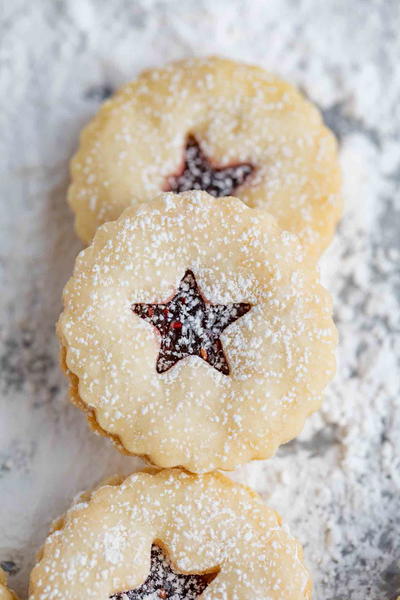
(5, 592)
(195, 332)
(214, 125)
(170, 536)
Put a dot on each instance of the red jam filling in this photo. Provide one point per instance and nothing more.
(190, 326)
(164, 582)
(199, 173)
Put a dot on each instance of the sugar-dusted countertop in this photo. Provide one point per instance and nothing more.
(338, 485)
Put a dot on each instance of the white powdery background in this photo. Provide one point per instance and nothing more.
(338, 485)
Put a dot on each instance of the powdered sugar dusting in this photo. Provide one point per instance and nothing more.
(204, 525)
(338, 485)
(233, 127)
(260, 382)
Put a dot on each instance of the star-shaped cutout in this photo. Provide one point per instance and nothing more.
(165, 583)
(199, 173)
(190, 326)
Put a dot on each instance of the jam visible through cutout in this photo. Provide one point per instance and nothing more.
(190, 326)
(199, 173)
(165, 583)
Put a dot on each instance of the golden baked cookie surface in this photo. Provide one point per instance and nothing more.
(204, 524)
(266, 334)
(237, 114)
(5, 592)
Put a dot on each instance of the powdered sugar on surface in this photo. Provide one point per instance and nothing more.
(338, 485)
(281, 353)
(203, 523)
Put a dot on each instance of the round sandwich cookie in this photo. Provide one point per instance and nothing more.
(170, 535)
(5, 592)
(195, 332)
(215, 125)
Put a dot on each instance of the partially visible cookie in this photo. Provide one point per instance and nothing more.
(169, 535)
(5, 592)
(195, 332)
(216, 125)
